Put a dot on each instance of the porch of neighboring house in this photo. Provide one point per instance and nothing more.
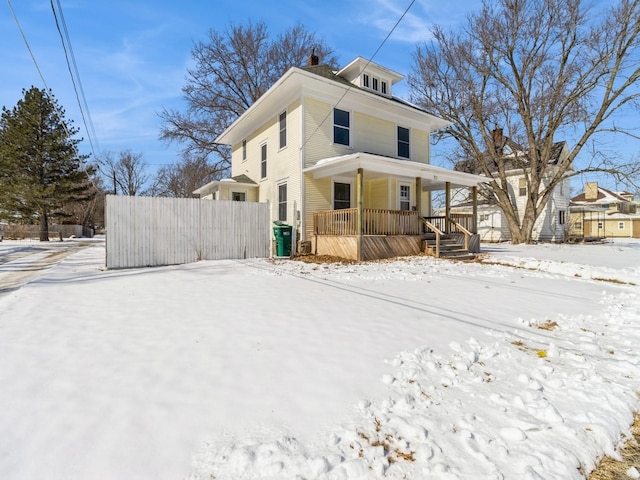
(375, 233)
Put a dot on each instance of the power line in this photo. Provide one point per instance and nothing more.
(24, 37)
(68, 52)
(44, 82)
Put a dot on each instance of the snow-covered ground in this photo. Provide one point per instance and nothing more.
(413, 368)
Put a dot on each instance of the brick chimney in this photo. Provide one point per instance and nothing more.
(312, 59)
(498, 140)
(591, 191)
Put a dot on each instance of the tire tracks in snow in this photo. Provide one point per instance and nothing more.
(20, 267)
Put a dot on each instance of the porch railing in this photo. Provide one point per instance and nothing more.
(449, 225)
(455, 223)
(374, 222)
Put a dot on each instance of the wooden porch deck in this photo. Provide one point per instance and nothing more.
(377, 234)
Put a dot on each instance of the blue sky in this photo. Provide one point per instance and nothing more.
(132, 55)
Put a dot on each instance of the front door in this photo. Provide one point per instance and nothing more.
(404, 196)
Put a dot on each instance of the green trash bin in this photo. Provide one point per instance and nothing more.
(282, 232)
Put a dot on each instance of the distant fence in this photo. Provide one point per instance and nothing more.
(56, 232)
(151, 231)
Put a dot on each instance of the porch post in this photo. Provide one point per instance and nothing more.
(474, 200)
(447, 206)
(360, 197)
(419, 195)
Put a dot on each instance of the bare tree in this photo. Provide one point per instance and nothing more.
(182, 178)
(537, 68)
(126, 175)
(232, 70)
(90, 213)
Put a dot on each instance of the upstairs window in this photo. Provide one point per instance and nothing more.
(282, 120)
(375, 84)
(244, 150)
(263, 160)
(403, 142)
(522, 187)
(365, 80)
(341, 126)
(562, 217)
(383, 87)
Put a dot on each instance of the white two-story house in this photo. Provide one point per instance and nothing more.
(339, 158)
(552, 225)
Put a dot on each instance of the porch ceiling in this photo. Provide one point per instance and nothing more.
(377, 166)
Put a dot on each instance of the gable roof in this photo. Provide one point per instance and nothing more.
(603, 196)
(517, 160)
(322, 82)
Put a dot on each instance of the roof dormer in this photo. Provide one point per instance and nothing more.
(370, 76)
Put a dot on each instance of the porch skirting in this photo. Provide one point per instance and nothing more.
(372, 247)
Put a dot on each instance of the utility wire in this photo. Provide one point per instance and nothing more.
(24, 37)
(55, 105)
(75, 80)
(44, 82)
(363, 68)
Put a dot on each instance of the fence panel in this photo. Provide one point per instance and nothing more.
(150, 231)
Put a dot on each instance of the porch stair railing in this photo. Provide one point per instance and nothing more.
(446, 238)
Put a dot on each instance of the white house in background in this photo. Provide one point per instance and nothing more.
(553, 223)
(239, 189)
(339, 158)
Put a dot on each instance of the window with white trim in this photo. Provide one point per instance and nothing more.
(403, 142)
(282, 202)
(282, 120)
(263, 160)
(341, 195)
(562, 217)
(404, 193)
(239, 196)
(620, 225)
(365, 80)
(522, 187)
(341, 127)
(375, 84)
(244, 150)
(383, 87)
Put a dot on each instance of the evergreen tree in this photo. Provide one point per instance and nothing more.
(41, 170)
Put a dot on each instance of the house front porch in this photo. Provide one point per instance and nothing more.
(358, 186)
(377, 233)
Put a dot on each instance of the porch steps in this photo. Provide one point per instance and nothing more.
(451, 247)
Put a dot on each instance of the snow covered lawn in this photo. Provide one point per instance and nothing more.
(414, 368)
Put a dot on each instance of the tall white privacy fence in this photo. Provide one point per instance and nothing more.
(150, 231)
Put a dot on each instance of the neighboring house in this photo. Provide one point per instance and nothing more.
(552, 224)
(339, 158)
(599, 213)
(239, 188)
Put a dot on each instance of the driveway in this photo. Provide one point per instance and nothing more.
(22, 261)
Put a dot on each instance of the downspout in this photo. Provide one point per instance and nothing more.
(360, 196)
(474, 220)
(301, 153)
(447, 206)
